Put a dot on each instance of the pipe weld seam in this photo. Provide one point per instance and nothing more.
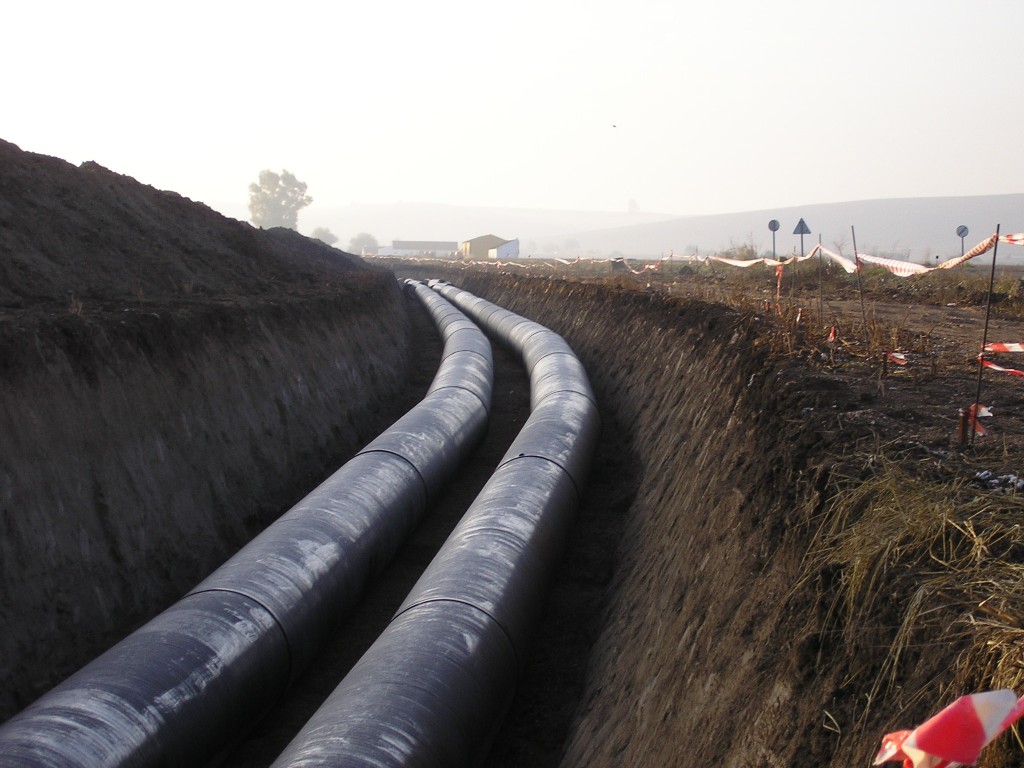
(467, 352)
(575, 486)
(277, 621)
(423, 482)
(455, 386)
(567, 390)
(475, 607)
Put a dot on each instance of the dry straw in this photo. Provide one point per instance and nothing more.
(947, 559)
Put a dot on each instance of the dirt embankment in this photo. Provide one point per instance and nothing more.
(709, 654)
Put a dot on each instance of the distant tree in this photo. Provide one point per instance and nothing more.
(277, 199)
(633, 206)
(363, 243)
(324, 235)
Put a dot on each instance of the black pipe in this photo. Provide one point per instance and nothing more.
(433, 688)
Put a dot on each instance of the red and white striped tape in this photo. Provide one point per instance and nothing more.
(901, 268)
(1005, 346)
(895, 266)
(957, 734)
(906, 268)
(989, 364)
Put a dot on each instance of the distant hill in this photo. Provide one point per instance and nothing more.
(537, 230)
(917, 229)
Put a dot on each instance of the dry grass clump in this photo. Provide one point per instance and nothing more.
(922, 567)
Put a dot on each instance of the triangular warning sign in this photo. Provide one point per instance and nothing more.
(802, 228)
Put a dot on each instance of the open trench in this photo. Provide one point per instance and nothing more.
(710, 648)
(674, 633)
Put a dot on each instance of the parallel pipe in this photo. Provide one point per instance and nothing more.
(193, 679)
(433, 689)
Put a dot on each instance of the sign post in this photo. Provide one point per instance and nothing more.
(962, 232)
(802, 229)
(773, 225)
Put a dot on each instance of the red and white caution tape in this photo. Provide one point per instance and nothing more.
(1006, 346)
(909, 269)
(842, 261)
(743, 263)
(989, 364)
(984, 246)
(1001, 346)
(1016, 239)
(957, 734)
(897, 267)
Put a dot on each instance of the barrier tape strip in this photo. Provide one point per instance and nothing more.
(956, 735)
(1004, 347)
(1001, 346)
(1001, 369)
(895, 266)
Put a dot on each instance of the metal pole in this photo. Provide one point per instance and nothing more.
(794, 284)
(821, 288)
(984, 335)
(860, 288)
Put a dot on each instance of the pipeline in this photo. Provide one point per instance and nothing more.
(433, 688)
(184, 686)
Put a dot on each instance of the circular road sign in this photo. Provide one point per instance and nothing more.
(961, 231)
(773, 225)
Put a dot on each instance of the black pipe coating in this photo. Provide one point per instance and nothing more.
(433, 688)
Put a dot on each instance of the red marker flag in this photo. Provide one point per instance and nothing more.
(975, 412)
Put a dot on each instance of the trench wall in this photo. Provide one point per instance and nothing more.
(705, 651)
(139, 449)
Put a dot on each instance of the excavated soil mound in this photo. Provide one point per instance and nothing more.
(170, 382)
(86, 234)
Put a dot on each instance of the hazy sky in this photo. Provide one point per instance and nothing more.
(685, 107)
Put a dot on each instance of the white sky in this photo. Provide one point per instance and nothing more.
(719, 105)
